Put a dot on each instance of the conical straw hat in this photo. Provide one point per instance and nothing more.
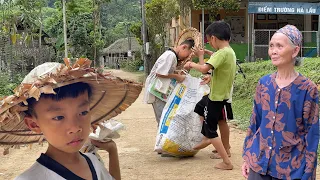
(189, 33)
(110, 96)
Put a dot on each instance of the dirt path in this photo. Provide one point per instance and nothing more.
(137, 159)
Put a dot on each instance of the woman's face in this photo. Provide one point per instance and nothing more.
(282, 51)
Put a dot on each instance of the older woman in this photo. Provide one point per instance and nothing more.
(283, 136)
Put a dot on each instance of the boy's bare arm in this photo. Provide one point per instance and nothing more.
(201, 60)
(114, 167)
(208, 52)
(111, 148)
(177, 77)
(201, 68)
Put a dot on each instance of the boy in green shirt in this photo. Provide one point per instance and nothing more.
(223, 62)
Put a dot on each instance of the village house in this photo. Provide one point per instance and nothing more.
(256, 21)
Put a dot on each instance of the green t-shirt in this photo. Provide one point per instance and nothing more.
(224, 64)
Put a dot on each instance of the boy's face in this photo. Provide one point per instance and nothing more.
(65, 123)
(184, 52)
(212, 41)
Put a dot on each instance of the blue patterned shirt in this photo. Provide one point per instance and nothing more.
(283, 136)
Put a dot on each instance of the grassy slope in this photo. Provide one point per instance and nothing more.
(244, 88)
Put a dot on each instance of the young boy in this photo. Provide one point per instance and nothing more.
(227, 110)
(61, 103)
(164, 67)
(223, 64)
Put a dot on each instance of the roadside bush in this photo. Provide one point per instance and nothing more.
(6, 87)
(131, 65)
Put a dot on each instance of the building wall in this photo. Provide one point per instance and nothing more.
(239, 23)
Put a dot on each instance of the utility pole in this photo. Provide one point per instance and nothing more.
(129, 40)
(65, 29)
(144, 38)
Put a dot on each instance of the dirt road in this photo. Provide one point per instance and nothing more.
(137, 159)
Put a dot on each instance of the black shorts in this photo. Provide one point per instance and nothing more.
(199, 109)
(216, 111)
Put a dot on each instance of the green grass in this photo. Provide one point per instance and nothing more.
(244, 88)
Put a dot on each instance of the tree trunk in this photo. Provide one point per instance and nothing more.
(65, 29)
(11, 62)
(94, 33)
(40, 37)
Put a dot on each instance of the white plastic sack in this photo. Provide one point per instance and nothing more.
(106, 131)
(180, 127)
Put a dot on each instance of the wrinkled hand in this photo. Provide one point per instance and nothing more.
(181, 78)
(205, 80)
(109, 146)
(245, 170)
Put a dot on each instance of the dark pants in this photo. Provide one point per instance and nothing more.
(256, 176)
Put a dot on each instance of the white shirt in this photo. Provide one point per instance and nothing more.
(165, 64)
(48, 169)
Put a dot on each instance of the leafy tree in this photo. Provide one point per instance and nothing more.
(92, 24)
(185, 6)
(136, 30)
(158, 14)
(32, 20)
(116, 15)
(213, 6)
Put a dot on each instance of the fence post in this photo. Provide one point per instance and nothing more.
(248, 38)
(253, 39)
(318, 36)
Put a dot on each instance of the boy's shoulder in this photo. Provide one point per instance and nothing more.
(38, 172)
(228, 50)
(101, 171)
(169, 52)
(224, 51)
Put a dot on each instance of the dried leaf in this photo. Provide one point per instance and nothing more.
(67, 62)
(22, 98)
(51, 80)
(35, 93)
(77, 73)
(82, 62)
(25, 103)
(9, 99)
(47, 90)
(87, 63)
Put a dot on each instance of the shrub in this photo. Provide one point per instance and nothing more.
(7, 87)
(131, 65)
